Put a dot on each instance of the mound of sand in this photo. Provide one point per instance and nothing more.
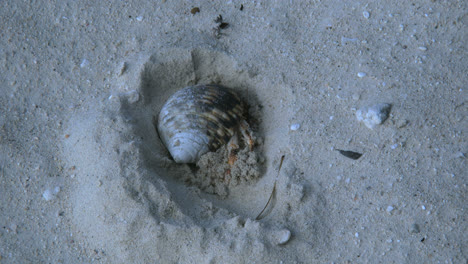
(133, 197)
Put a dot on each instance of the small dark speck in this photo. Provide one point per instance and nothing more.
(223, 25)
(422, 240)
(242, 7)
(350, 154)
(195, 10)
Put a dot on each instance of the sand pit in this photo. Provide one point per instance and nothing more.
(130, 185)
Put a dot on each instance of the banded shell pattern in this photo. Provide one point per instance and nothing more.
(199, 119)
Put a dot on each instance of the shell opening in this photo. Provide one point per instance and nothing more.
(187, 147)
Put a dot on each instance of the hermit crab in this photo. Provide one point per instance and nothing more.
(202, 118)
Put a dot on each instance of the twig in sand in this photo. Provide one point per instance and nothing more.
(272, 191)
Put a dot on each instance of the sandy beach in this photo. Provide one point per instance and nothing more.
(366, 101)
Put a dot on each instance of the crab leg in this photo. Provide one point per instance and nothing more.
(233, 147)
(247, 134)
(233, 144)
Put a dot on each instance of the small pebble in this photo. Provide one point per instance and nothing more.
(389, 209)
(361, 74)
(283, 236)
(366, 14)
(422, 48)
(373, 115)
(295, 127)
(139, 18)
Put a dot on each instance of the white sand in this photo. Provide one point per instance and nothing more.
(85, 179)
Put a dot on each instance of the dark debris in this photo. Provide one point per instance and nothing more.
(221, 25)
(195, 10)
(350, 154)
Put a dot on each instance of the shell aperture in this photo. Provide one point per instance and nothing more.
(199, 119)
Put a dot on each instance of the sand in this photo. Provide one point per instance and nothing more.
(84, 177)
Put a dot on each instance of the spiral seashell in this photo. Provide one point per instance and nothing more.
(199, 119)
